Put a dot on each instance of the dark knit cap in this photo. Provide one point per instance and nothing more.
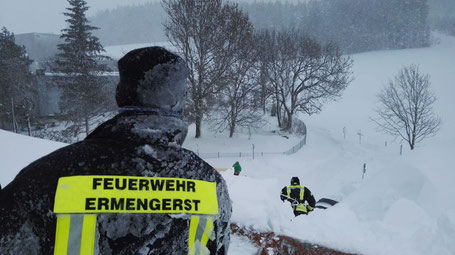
(152, 77)
(295, 181)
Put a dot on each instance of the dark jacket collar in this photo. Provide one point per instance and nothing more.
(142, 128)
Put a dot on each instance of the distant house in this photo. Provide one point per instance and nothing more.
(49, 93)
(42, 48)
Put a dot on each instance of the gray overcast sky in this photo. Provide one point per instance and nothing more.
(45, 16)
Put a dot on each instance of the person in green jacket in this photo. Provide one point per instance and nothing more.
(237, 168)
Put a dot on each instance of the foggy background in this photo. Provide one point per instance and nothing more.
(144, 17)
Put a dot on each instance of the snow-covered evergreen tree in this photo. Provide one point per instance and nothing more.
(79, 67)
(16, 82)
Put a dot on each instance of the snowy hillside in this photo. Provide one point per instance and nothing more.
(404, 205)
(17, 151)
(401, 207)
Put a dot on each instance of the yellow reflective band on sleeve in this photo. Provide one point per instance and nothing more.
(131, 194)
(208, 231)
(75, 234)
(302, 193)
(61, 234)
(88, 234)
(201, 229)
(194, 222)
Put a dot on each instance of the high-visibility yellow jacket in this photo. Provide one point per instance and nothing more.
(297, 195)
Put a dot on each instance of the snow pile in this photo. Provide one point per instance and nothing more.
(396, 209)
(17, 151)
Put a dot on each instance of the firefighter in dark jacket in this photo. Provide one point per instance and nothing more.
(143, 141)
(297, 195)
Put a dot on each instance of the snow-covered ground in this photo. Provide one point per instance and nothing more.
(17, 151)
(404, 205)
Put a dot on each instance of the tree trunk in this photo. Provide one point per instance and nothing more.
(288, 120)
(198, 117)
(232, 125)
(263, 97)
(14, 116)
(231, 130)
(278, 111)
(198, 125)
(29, 128)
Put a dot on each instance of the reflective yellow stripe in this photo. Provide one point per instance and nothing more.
(88, 234)
(201, 229)
(194, 222)
(302, 190)
(62, 233)
(301, 208)
(207, 231)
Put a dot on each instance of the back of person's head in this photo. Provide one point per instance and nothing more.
(295, 181)
(152, 77)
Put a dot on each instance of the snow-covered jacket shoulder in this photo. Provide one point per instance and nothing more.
(130, 144)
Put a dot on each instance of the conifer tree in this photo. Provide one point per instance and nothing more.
(80, 68)
(16, 82)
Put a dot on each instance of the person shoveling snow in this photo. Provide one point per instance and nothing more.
(297, 195)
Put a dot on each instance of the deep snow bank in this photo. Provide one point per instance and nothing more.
(396, 209)
(17, 151)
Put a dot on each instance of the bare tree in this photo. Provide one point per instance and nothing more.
(262, 38)
(237, 100)
(199, 30)
(236, 104)
(305, 74)
(406, 107)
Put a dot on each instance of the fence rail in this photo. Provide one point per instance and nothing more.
(296, 147)
(252, 153)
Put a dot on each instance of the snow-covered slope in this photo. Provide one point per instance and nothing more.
(17, 151)
(404, 205)
(372, 71)
(398, 208)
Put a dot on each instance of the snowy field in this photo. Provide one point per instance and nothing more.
(17, 151)
(405, 204)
